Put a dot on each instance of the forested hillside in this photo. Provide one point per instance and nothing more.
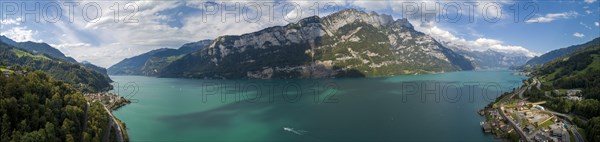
(577, 71)
(36, 107)
(14, 60)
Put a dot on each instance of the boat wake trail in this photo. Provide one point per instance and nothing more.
(298, 132)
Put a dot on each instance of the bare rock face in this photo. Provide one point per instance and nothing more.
(348, 43)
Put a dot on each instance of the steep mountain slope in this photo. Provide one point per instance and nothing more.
(150, 62)
(37, 48)
(580, 69)
(16, 60)
(554, 54)
(346, 43)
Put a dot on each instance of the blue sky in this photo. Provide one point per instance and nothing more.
(142, 26)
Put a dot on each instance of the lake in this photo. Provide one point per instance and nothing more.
(432, 107)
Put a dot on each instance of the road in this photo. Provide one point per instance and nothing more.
(115, 124)
(535, 82)
(571, 126)
(511, 122)
(515, 127)
(564, 117)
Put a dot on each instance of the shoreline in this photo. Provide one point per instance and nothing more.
(110, 102)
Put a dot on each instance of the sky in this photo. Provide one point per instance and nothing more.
(105, 32)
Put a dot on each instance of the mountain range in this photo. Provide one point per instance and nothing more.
(347, 43)
(490, 59)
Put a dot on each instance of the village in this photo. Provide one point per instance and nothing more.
(530, 118)
(530, 121)
(110, 100)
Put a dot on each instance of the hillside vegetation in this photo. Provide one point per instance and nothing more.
(75, 74)
(579, 70)
(36, 107)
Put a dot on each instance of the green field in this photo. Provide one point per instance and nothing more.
(4, 69)
(545, 124)
(21, 53)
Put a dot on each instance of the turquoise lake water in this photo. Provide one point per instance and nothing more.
(435, 107)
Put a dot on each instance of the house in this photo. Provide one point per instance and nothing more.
(528, 114)
(6, 73)
(545, 130)
(530, 128)
(574, 98)
(506, 128)
(538, 107)
(557, 129)
(486, 128)
(557, 132)
(557, 92)
(541, 138)
(573, 92)
(520, 106)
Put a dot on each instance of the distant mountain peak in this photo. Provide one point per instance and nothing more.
(353, 15)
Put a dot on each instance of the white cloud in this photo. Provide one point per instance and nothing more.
(480, 44)
(589, 1)
(66, 46)
(579, 35)
(9, 21)
(106, 42)
(588, 12)
(371, 5)
(585, 25)
(491, 11)
(20, 34)
(597, 24)
(116, 41)
(552, 16)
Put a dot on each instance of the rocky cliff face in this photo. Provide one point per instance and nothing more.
(343, 44)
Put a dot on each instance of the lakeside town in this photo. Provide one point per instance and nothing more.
(514, 118)
(111, 100)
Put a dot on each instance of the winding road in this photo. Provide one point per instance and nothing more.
(114, 124)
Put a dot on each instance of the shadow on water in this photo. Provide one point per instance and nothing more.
(366, 109)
